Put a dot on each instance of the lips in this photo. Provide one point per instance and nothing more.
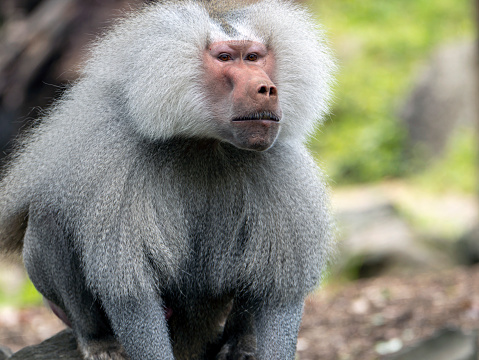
(264, 115)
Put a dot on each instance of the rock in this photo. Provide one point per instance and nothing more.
(375, 239)
(388, 347)
(467, 247)
(5, 353)
(448, 344)
(443, 98)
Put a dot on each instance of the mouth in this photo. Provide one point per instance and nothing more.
(264, 115)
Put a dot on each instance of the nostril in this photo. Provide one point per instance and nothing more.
(263, 89)
(268, 90)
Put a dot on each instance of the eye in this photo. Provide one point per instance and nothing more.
(224, 57)
(252, 57)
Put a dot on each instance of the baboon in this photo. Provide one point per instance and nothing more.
(166, 206)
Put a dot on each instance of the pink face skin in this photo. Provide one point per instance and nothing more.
(244, 99)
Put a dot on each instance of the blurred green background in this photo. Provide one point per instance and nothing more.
(380, 46)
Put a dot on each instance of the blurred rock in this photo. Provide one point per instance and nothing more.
(376, 240)
(392, 228)
(448, 344)
(388, 347)
(443, 98)
(468, 247)
(5, 353)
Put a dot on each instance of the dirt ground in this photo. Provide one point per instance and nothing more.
(341, 322)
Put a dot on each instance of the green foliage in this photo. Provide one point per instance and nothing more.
(29, 295)
(25, 295)
(379, 45)
(457, 169)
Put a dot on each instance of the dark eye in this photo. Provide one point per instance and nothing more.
(252, 57)
(224, 57)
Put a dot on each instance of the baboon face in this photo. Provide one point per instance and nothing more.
(243, 97)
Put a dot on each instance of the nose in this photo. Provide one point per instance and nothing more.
(263, 92)
(267, 90)
(261, 88)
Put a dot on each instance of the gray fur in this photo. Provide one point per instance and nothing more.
(126, 201)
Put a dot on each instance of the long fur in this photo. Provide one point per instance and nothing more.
(128, 182)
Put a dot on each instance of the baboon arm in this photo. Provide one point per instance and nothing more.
(140, 326)
(277, 331)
